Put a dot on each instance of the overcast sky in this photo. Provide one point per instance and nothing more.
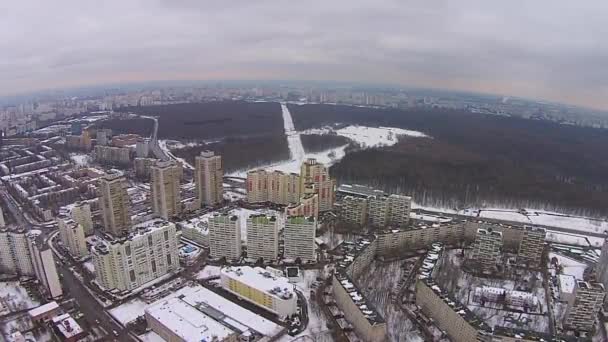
(551, 49)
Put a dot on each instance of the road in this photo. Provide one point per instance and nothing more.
(92, 310)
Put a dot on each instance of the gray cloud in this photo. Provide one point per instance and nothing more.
(545, 48)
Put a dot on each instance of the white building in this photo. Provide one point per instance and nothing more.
(114, 204)
(142, 148)
(196, 229)
(208, 177)
(72, 236)
(81, 213)
(262, 288)
(262, 237)
(299, 235)
(224, 237)
(147, 253)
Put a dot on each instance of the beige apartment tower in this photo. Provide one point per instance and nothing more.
(72, 236)
(312, 172)
(208, 176)
(531, 247)
(81, 213)
(114, 204)
(276, 187)
(224, 237)
(166, 199)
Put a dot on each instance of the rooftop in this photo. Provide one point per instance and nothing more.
(357, 190)
(43, 309)
(262, 280)
(67, 326)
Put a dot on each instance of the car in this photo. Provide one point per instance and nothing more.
(97, 321)
(115, 333)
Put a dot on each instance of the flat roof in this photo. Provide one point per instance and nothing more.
(566, 283)
(67, 325)
(43, 309)
(262, 280)
(186, 321)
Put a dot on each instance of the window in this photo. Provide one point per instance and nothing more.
(150, 240)
(128, 250)
(132, 275)
(154, 266)
(169, 259)
(166, 235)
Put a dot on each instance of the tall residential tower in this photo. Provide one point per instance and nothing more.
(208, 176)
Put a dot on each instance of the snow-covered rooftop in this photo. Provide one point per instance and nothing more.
(262, 280)
(67, 325)
(43, 309)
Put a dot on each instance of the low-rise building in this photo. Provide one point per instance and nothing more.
(261, 287)
(67, 328)
(196, 229)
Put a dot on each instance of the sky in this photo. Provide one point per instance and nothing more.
(546, 49)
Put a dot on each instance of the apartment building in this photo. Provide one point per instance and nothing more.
(313, 172)
(531, 247)
(274, 186)
(601, 268)
(147, 253)
(262, 237)
(112, 155)
(114, 204)
(142, 148)
(486, 249)
(143, 167)
(81, 213)
(208, 177)
(25, 253)
(353, 209)
(72, 236)
(389, 210)
(2, 222)
(165, 189)
(308, 206)
(261, 287)
(299, 235)
(224, 236)
(582, 311)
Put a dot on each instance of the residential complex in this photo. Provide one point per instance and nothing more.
(72, 236)
(81, 214)
(113, 155)
(362, 205)
(262, 237)
(114, 204)
(587, 302)
(208, 177)
(299, 235)
(353, 209)
(317, 174)
(308, 206)
(262, 288)
(275, 187)
(224, 237)
(486, 249)
(165, 190)
(147, 253)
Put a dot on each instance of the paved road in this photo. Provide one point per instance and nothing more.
(91, 309)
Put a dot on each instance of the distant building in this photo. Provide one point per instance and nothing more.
(275, 187)
(389, 210)
(487, 248)
(143, 167)
(112, 155)
(601, 268)
(208, 177)
(147, 253)
(299, 234)
(531, 247)
(81, 213)
(308, 206)
(582, 311)
(142, 148)
(262, 237)
(353, 209)
(114, 204)
(165, 189)
(262, 288)
(224, 237)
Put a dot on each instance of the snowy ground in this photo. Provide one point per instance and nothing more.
(208, 272)
(570, 266)
(14, 297)
(369, 136)
(379, 286)
(89, 266)
(129, 311)
(163, 146)
(80, 159)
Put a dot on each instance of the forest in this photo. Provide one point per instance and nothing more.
(139, 126)
(475, 159)
(210, 120)
(322, 142)
(239, 153)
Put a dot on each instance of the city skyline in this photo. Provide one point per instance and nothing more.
(554, 54)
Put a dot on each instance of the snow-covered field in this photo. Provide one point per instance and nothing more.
(570, 266)
(369, 136)
(80, 159)
(14, 297)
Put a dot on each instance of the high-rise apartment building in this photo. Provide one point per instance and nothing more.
(601, 268)
(299, 235)
(353, 209)
(224, 237)
(208, 177)
(312, 172)
(114, 204)
(583, 308)
(81, 213)
(389, 210)
(486, 248)
(2, 222)
(262, 237)
(276, 187)
(308, 206)
(166, 199)
(147, 253)
(112, 155)
(531, 247)
(72, 236)
(25, 253)
(142, 148)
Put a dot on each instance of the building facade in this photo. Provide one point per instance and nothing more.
(313, 172)
(299, 235)
(275, 187)
(72, 236)
(262, 237)
(147, 253)
(224, 237)
(486, 249)
(81, 213)
(208, 177)
(531, 247)
(353, 210)
(114, 204)
(582, 311)
(165, 189)
(308, 206)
